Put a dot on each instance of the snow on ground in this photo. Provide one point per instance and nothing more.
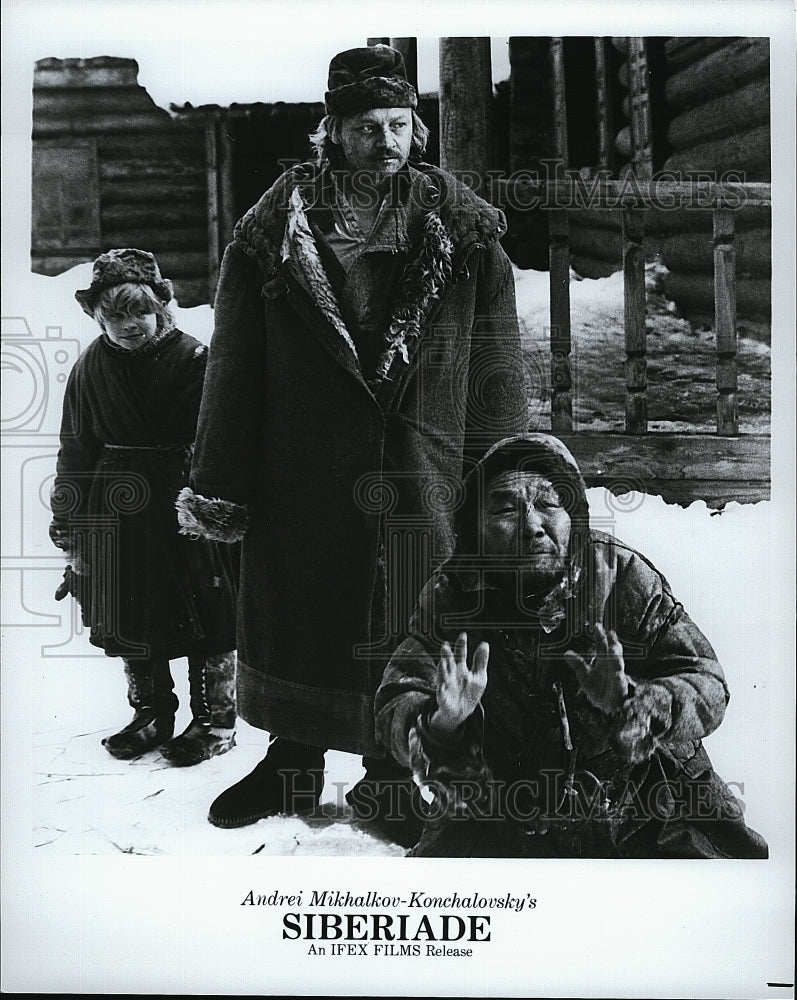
(64, 696)
(86, 802)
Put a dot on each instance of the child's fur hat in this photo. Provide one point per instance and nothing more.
(117, 267)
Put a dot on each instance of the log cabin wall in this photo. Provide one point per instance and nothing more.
(112, 169)
(247, 147)
(695, 106)
(717, 99)
(250, 145)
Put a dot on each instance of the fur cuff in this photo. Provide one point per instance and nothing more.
(216, 520)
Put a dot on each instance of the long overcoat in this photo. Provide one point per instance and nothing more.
(343, 484)
(129, 420)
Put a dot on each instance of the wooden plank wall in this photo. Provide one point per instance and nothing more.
(150, 172)
(715, 98)
(717, 93)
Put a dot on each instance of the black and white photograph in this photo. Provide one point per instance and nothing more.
(398, 540)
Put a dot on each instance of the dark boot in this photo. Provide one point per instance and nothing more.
(150, 691)
(212, 728)
(387, 798)
(289, 780)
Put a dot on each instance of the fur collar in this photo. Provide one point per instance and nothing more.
(299, 251)
(422, 285)
(276, 232)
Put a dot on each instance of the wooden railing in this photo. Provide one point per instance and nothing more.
(681, 467)
(718, 467)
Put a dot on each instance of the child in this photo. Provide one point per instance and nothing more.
(147, 593)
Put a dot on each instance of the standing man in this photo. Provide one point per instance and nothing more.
(365, 350)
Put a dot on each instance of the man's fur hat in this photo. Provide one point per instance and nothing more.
(372, 77)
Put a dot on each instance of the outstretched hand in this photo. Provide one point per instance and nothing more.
(603, 678)
(459, 687)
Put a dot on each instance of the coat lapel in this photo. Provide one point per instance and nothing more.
(299, 254)
(306, 307)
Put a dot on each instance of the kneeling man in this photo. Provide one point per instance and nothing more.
(553, 694)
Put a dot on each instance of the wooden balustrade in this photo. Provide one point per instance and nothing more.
(725, 322)
(636, 378)
(682, 467)
(561, 382)
(571, 193)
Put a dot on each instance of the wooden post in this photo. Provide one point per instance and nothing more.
(725, 321)
(559, 255)
(225, 152)
(636, 402)
(408, 47)
(219, 169)
(465, 95)
(603, 87)
(641, 132)
(559, 100)
(212, 172)
(559, 260)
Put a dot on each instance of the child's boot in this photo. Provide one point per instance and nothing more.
(212, 728)
(150, 691)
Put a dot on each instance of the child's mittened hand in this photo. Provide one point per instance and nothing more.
(67, 585)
